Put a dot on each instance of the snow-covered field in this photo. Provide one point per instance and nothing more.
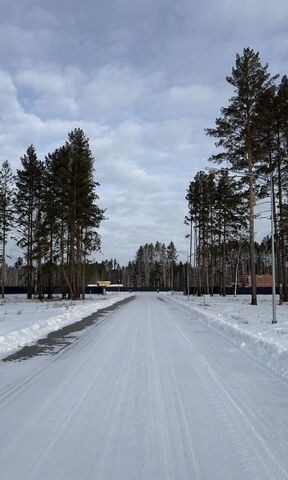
(152, 392)
(248, 326)
(22, 321)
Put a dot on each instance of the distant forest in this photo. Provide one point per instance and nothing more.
(155, 266)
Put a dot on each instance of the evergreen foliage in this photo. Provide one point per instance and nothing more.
(28, 207)
(58, 215)
(239, 130)
(216, 206)
(6, 215)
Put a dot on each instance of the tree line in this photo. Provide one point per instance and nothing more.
(252, 137)
(50, 208)
(161, 266)
(155, 265)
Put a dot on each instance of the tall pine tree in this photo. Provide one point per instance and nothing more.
(6, 215)
(84, 215)
(28, 192)
(238, 133)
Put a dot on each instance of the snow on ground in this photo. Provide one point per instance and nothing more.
(23, 321)
(248, 326)
(150, 393)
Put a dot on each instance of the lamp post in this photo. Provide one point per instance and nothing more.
(190, 255)
(274, 315)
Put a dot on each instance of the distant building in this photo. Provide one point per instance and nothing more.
(102, 286)
(104, 283)
(261, 281)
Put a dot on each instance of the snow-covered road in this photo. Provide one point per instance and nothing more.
(150, 393)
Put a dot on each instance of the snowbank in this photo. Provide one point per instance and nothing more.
(22, 322)
(248, 326)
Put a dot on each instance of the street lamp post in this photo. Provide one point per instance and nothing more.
(190, 255)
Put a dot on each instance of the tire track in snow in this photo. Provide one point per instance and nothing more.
(78, 363)
(158, 405)
(265, 430)
(266, 451)
(116, 403)
(176, 447)
(190, 441)
(11, 391)
(69, 417)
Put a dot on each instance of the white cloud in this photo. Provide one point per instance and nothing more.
(9, 105)
(143, 81)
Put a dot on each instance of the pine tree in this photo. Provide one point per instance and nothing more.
(237, 130)
(6, 215)
(84, 215)
(40, 242)
(215, 205)
(28, 192)
(273, 168)
(230, 214)
(282, 180)
(200, 197)
(172, 258)
(164, 263)
(57, 201)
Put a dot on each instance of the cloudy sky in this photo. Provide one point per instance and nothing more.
(143, 79)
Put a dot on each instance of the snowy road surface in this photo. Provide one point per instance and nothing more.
(149, 393)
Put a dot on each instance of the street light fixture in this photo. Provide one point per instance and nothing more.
(274, 316)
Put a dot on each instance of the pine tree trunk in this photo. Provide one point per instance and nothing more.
(236, 270)
(3, 273)
(281, 247)
(83, 276)
(83, 280)
(219, 261)
(39, 279)
(252, 232)
(29, 260)
(50, 296)
(277, 243)
(62, 254)
(224, 262)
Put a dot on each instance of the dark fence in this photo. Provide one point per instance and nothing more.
(231, 291)
(18, 290)
(99, 290)
(58, 291)
(142, 289)
(15, 290)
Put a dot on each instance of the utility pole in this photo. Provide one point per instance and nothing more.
(190, 256)
(188, 220)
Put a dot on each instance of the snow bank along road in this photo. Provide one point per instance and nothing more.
(149, 393)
